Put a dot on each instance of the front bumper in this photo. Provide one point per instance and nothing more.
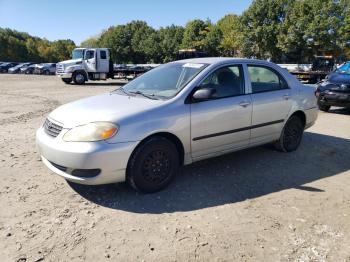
(64, 75)
(111, 159)
(335, 99)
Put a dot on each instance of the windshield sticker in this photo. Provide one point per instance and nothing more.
(191, 65)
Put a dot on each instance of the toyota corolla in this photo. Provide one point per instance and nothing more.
(176, 114)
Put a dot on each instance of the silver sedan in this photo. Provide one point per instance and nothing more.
(174, 115)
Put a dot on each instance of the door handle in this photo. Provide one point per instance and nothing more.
(244, 103)
(286, 96)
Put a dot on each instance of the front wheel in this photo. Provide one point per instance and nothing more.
(324, 108)
(153, 165)
(291, 135)
(79, 78)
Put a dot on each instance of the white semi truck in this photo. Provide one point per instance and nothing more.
(86, 64)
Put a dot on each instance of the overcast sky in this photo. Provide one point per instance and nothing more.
(79, 19)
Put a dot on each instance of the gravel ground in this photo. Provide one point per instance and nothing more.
(253, 205)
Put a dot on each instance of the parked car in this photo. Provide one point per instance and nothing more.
(45, 69)
(335, 90)
(6, 66)
(28, 69)
(17, 69)
(173, 115)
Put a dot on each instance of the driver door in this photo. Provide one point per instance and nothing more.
(222, 123)
(90, 60)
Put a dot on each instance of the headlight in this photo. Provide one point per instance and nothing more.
(91, 132)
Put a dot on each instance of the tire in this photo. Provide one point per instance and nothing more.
(291, 135)
(79, 78)
(324, 108)
(153, 165)
(67, 80)
(46, 72)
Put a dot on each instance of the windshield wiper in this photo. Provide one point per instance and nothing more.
(143, 94)
(120, 89)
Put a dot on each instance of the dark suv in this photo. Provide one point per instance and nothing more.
(4, 67)
(335, 89)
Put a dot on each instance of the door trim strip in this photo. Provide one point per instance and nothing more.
(238, 130)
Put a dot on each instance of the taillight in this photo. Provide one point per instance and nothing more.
(317, 93)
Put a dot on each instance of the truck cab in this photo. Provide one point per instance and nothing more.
(86, 64)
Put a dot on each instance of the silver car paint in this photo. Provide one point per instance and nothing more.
(139, 118)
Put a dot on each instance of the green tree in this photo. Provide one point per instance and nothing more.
(92, 42)
(311, 28)
(344, 30)
(202, 36)
(170, 39)
(194, 35)
(261, 25)
(135, 42)
(232, 36)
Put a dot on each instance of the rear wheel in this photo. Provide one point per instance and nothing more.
(46, 72)
(153, 165)
(291, 136)
(79, 78)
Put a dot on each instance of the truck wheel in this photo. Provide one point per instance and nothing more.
(153, 165)
(67, 80)
(79, 78)
(46, 72)
(291, 135)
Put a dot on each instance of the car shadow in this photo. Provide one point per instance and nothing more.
(235, 177)
(340, 110)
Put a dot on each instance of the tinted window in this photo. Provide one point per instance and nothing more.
(103, 54)
(264, 79)
(89, 54)
(227, 81)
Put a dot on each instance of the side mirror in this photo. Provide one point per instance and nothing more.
(204, 94)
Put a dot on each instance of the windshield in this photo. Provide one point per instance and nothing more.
(78, 54)
(164, 81)
(344, 69)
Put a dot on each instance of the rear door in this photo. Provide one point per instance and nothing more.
(90, 60)
(222, 123)
(272, 102)
(103, 61)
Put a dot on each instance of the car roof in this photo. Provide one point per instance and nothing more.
(218, 60)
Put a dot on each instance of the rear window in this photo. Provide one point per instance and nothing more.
(103, 54)
(264, 79)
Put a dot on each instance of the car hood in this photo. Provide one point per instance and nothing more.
(110, 107)
(336, 78)
(70, 62)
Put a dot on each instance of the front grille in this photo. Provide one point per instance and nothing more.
(59, 69)
(51, 128)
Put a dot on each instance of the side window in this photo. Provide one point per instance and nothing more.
(264, 79)
(103, 54)
(89, 54)
(227, 81)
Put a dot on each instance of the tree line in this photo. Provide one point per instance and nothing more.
(279, 30)
(21, 47)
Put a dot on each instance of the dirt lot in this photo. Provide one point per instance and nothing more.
(254, 205)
